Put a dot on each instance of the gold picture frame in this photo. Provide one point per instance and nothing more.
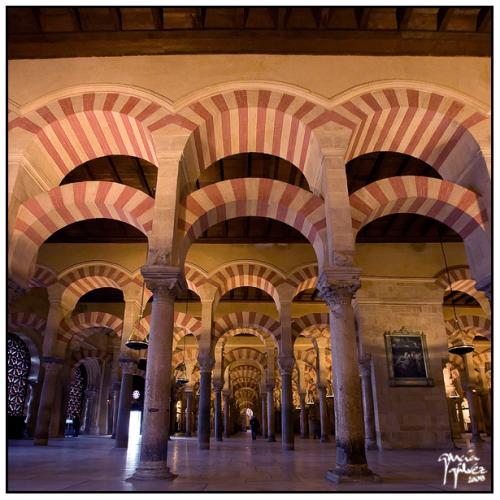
(407, 358)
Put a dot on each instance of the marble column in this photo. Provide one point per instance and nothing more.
(218, 412)
(189, 412)
(123, 419)
(89, 423)
(304, 420)
(263, 425)
(485, 398)
(470, 389)
(31, 406)
(162, 281)
(323, 414)
(206, 366)
(365, 372)
(337, 286)
(286, 364)
(227, 421)
(270, 413)
(115, 401)
(52, 367)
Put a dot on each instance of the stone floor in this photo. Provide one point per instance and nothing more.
(236, 464)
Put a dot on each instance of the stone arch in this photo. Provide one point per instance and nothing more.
(59, 133)
(475, 324)
(248, 273)
(303, 278)
(262, 335)
(195, 277)
(246, 354)
(43, 277)
(439, 126)
(253, 197)
(261, 118)
(41, 216)
(310, 325)
(76, 325)
(26, 320)
(444, 201)
(461, 281)
(247, 319)
(184, 324)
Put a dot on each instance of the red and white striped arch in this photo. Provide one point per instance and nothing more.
(262, 121)
(310, 325)
(26, 320)
(253, 197)
(425, 124)
(261, 334)
(75, 326)
(68, 131)
(43, 277)
(245, 354)
(246, 319)
(184, 324)
(195, 277)
(84, 278)
(304, 278)
(254, 274)
(449, 203)
(478, 325)
(43, 215)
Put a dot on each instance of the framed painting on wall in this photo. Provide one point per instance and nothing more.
(407, 358)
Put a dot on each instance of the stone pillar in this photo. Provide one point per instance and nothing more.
(286, 364)
(189, 412)
(115, 401)
(323, 414)
(30, 407)
(123, 419)
(337, 286)
(460, 415)
(89, 423)
(454, 421)
(162, 281)
(471, 400)
(51, 366)
(365, 372)
(218, 412)
(206, 366)
(304, 420)
(485, 398)
(263, 423)
(227, 404)
(270, 413)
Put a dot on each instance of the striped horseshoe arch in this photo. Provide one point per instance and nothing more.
(69, 131)
(76, 325)
(246, 319)
(26, 320)
(260, 121)
(184, 324)
(428, 125)
(253, 197)
(310, 325)
(449, 203)
(43, 215)
(477, 324)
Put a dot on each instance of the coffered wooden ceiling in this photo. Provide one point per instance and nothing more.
(43, 32)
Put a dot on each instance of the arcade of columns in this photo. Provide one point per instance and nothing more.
(51, 137)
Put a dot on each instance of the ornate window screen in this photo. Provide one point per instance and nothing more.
(18, 369)
(76, 391)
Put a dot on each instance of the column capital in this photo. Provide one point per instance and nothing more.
(218, 385)
(206, 363)
(128, 366)
(162, 280)
(286, 364)
(337, 285)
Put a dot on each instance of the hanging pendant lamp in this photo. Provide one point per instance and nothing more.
(459, 347)
(135, 342)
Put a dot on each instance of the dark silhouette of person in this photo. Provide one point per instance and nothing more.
(254, 427)
(76, 425)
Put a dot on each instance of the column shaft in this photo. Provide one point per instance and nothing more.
(227, 420)
(264, 416)
(368, 409)
(304, 420)
(52, 368)
(204, 410)
(123, 417)
(189, 413)
(323, 414)
(156, 419)
(270, 415)
(287, 435)
(218, 414)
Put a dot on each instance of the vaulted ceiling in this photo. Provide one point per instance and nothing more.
(42, 32)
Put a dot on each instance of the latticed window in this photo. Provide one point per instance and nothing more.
(78, 386)
(18, 369)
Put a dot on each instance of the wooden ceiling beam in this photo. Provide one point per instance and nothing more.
(444, 17)
(250, 41)
(114, 172)
(484, 20)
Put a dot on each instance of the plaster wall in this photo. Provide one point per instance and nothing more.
(405, 417)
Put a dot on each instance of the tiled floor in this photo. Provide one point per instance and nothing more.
(236, 464)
